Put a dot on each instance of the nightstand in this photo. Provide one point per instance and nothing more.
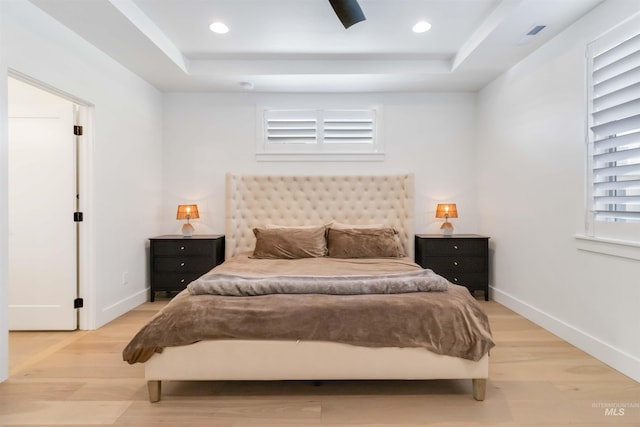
(462, 258)
(177, 260)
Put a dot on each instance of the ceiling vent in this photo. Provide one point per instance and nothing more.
(531, 34)
(535, 30)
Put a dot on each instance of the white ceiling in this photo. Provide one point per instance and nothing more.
(300, 45)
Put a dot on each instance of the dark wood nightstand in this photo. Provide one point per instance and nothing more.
(462, 258)
(177, 260)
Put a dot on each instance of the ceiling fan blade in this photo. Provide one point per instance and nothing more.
(348, 11)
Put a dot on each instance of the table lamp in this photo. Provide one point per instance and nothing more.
(187, 212)
(447, 211)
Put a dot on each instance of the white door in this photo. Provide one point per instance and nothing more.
(42, 235)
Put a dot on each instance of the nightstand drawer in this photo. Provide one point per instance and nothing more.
(454, 264)
(177, 264)
(453, 246)
(183, 247)
(470, 280)
(173, 281)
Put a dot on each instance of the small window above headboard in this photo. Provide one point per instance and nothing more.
(313, 134)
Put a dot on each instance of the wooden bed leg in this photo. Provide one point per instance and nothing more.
(154, 388)
(479, 388)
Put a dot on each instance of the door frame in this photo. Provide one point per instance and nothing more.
(86, 240)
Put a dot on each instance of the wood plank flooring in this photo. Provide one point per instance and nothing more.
(536, 379)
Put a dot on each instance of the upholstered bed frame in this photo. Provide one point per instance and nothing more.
(305, 200)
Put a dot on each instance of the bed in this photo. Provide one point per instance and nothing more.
(330, 351)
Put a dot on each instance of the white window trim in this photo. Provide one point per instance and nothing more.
(615, 239)
(613, 247)
(318, 152)
(319, 157)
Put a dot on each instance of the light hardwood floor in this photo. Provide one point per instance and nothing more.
(536, 379)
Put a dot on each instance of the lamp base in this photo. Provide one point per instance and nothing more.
(446, 228)
(187, 230)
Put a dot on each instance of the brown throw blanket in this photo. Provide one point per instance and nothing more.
(450, 322)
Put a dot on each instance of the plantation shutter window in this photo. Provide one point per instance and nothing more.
(319, 134)
(348, 127)
(291, 127)
(614, 116)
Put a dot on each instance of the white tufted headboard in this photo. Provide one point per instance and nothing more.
(255, 201)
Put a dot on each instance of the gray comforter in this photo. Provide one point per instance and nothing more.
(395, 283)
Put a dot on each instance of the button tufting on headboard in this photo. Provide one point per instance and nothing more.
(256, 200)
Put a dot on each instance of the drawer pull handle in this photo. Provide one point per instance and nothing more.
(455, 279)
(182, 248)
(455, 262)
(181, 280)
(455, 247)
(182, 264)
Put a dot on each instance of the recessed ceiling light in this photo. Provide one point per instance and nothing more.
(421, 27)
(219, 28)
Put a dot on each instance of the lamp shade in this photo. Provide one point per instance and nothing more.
(187, 212)
(446, 211)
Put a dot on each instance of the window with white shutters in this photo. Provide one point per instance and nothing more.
(346, 127)
(327, 134)
(614, 125)
(289, 128)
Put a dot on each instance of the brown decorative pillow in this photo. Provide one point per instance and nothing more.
(290, 242)
(364, 243)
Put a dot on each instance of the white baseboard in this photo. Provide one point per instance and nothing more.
(121, 307)
(619, 360)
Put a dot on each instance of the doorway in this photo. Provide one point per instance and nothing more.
(44, 178)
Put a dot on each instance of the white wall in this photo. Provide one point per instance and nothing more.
(430, 135)
(125, 153)
(4, 212)
(531, 186)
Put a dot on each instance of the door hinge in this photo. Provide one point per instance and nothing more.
(78, 303)
(78, 217)
(77, 130)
